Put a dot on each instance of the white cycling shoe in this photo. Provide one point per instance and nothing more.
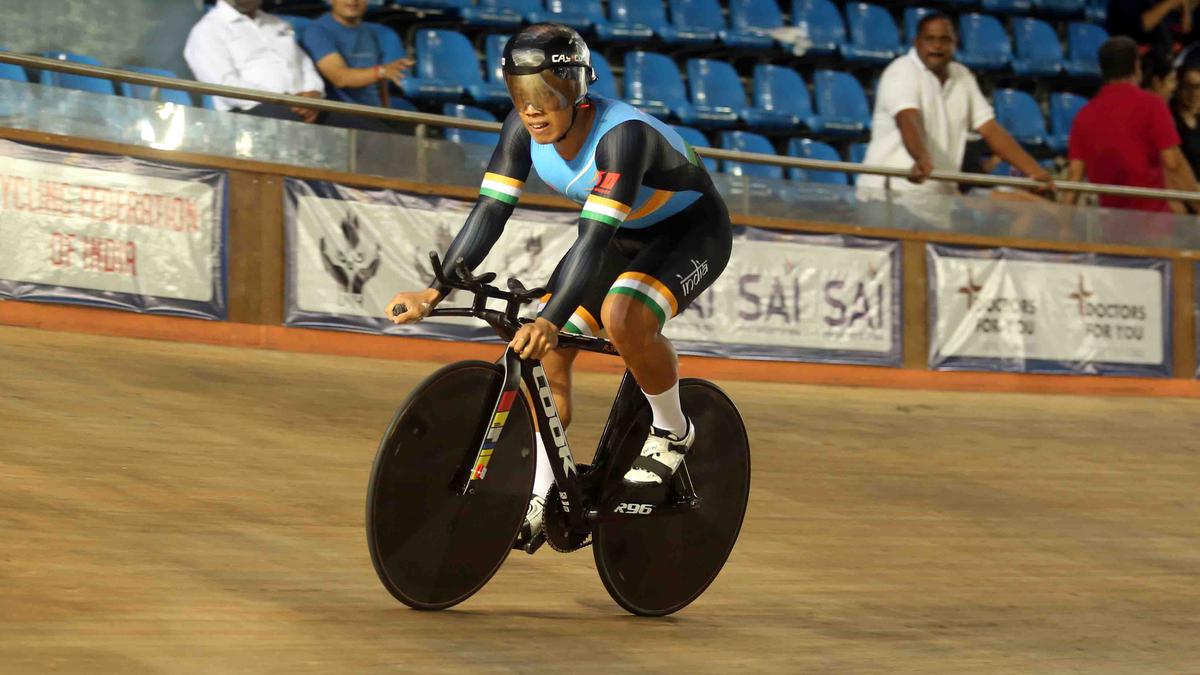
(531, 537)
(661, 456)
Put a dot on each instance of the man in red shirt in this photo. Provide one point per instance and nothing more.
(1125, 136)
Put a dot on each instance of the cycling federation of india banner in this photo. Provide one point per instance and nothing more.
(1003, 309)
(111, 231)
(782, 296)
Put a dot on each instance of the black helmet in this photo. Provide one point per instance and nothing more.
(547, 65)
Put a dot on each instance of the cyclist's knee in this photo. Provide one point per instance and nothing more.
(629, 322)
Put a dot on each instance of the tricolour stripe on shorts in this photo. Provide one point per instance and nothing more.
(500, 187)
(649, 290)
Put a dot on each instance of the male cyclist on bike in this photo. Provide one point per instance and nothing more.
(653, 234)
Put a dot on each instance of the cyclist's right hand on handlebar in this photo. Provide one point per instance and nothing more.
(412, 307)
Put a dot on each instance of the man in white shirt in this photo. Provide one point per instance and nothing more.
(925, 107)
(239, 45)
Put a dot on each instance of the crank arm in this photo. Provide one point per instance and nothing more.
(634, 510)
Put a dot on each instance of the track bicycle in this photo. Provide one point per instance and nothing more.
(453, 474)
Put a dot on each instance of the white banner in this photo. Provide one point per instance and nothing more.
(137, 232)
(1013, 306)
(782, 296)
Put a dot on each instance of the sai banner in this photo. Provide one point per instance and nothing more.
(1022, 311)
(782, 296)
(110, 231)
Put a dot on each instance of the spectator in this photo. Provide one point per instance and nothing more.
(239, 45)
(925, 106)
(1151, 22)
(1184, 108)
(1125, 136)
(357, 59)
(1158, 75)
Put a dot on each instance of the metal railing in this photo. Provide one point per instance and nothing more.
(420, 118)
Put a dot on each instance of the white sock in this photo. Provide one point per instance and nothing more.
(668, 414)
(543, 476)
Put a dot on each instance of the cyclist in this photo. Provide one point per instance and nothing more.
(653, 235)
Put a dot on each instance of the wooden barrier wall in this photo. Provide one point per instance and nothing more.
(256, 287)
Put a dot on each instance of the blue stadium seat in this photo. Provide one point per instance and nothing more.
(1063, 108)
(1038, 49)
(446, 67)
(744, 141)
(80, 82)
(718, 99)
(9, 71)
(693, 21)
(1008, 6)
(149, 93)
(653, 83)
(446, 5)
(696, 139)
(984, 42)
(825, 27)
(630, 20)
(298, 23)
(456, 135)
(1061, 7)
(1096, 11)
(874, 37)
(841, 102)
(493, 52)
(606, 82)
(1019, 113)
(390, 44)
(803, 147)
(858, 152)
(400, 103)
(912, 17)
(582, 15)
(499, 12)
(1083, 48)
(749, 22)
(781, 100)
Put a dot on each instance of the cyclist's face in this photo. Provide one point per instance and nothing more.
(935, 45)
(545, 111)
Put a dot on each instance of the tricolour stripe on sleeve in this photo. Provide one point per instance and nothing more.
(502, 188)
(604, 210)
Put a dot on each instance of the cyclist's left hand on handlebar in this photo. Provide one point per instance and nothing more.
(535, 340)
(417, 306)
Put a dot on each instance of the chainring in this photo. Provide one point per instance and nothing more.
(557, 527)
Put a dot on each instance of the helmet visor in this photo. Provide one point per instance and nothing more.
(544, 91)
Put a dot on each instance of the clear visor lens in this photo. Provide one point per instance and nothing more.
(535, 90)
(528, 57)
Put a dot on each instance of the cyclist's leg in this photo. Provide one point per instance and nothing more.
(669, 273)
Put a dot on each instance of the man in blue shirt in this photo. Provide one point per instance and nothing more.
(356, 58)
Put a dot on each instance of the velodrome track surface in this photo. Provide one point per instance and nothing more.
(168, 507)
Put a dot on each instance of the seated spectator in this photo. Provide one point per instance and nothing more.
(357, 59)
(1186, 110)
(238, 45)
(925, 107)
(1158, 75)
(1125, 136)
(1157, 23)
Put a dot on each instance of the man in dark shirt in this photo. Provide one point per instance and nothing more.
(1186, 110)
(1157, 23)
(1125, 136)
(356, 58)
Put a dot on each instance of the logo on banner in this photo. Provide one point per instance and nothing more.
(1000, 315)
(1111, 320)
(971, 289)
(351, 260)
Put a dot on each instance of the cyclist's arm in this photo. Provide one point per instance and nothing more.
(622, 158)
(501, 188)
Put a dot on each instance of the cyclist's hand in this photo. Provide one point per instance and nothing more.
(417, 305)
(535, 340)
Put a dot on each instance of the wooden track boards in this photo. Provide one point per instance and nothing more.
(168, 507)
